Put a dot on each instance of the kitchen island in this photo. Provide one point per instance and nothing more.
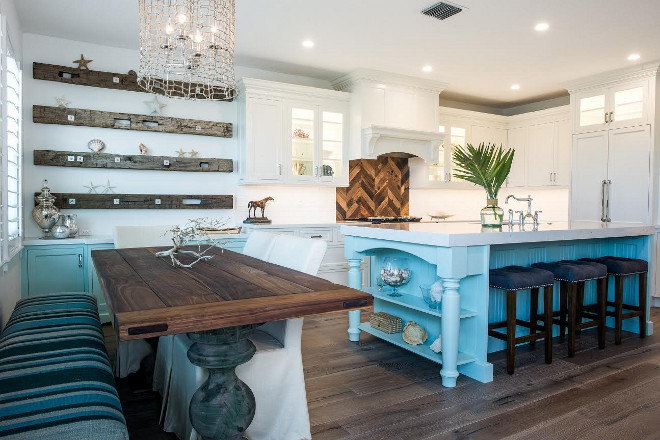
(460, 255)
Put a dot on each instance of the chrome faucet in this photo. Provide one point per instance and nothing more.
(527, 199)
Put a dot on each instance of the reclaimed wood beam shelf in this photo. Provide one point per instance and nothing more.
(128, 121)
(76, 159)
(141, 201)
(95, 78)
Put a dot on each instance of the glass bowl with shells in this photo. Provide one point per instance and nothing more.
(395, 272)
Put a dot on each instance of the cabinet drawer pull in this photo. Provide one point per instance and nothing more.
(606, 121)
(611, 116)
(316, 236)
(79, 260)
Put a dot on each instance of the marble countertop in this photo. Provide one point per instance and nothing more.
(99, 239)
(472, 234)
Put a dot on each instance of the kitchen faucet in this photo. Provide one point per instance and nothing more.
(527, 199)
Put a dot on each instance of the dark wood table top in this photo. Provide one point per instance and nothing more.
(148, 297)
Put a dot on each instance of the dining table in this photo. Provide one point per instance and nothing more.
(218, 302)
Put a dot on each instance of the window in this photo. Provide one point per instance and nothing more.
(10, 184)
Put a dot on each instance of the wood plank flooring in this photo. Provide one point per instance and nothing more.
(376, 391)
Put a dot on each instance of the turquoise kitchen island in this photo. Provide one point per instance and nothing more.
(459, 255)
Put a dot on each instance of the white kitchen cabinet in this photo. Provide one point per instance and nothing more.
(548, 154)
(622, 105)
(611, 176)
(517, 139)
(487, 135)
(292, 134)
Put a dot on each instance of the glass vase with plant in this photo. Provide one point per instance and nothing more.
(487, 166)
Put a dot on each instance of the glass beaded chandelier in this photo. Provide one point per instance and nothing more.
(187, 48)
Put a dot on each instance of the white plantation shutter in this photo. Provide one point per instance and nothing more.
(10, 184)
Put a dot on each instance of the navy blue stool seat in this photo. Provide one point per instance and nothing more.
(572, 276)
(513, 279)
(620, 267)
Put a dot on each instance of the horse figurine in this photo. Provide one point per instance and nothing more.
(253, 205)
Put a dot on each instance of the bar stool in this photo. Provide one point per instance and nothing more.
(513, 279)
(572, 276)
(620, 267)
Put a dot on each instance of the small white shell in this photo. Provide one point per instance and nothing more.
(414, 334)
(96, 145)
(437, 345)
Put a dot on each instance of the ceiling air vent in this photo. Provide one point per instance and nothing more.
(442, 10)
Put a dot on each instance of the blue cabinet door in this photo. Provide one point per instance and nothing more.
(51, 270)
(93, 281)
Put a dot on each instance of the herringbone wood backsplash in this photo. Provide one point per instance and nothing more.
(376, 187)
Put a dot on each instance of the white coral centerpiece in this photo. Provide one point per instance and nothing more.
(195, 232)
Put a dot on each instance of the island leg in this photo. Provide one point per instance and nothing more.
(354, 281)
(451, 311)
(223, 407)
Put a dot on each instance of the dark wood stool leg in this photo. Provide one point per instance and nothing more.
(572, 317)
(618, 308)
(602, 308)
(510, 330)
(533, 312)
(579, 304)
(547, 315)
(642, 304)
(563, 301)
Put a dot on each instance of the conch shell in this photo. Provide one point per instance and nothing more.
(414, 334)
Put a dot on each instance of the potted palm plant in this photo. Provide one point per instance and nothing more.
(487, 166)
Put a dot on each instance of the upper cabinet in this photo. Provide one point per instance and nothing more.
(624, 104)
(292, 134)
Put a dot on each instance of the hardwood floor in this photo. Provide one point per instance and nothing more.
(376, 391)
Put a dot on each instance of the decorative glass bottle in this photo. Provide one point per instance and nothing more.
(492, 215)
(45, 214)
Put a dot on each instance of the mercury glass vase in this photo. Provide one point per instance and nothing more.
(492, 215)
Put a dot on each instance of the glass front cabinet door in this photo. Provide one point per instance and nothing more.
(620, 106)
(317, 143)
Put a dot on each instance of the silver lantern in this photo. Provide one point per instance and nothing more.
(45, 214)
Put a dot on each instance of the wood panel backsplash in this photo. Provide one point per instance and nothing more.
(376, 187)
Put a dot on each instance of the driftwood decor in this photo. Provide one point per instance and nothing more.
(91, 78)
(76, 159)
(142, 201)
(128, 121)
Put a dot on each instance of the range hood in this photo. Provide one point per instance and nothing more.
(392, 114)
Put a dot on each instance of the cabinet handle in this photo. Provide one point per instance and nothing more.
(605, 202)
(611, 116)
(606, 121)
(279, 169)
(316, 236)
(79, 260)
(551, 177)
(316, 171)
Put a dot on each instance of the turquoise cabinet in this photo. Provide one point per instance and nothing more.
(93, 280)
(55, 269)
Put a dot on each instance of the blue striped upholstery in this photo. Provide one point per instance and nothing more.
(56, 380)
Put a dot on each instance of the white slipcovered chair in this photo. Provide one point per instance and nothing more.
(275, 373)
(130, 354)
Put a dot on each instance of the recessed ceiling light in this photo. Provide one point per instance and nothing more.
(542, 27)
(427, 68)
(633, 57)
(308, 43)
(515, 86)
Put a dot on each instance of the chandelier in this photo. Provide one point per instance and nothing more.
(187, 48)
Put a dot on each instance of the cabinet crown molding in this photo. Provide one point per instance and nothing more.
(346, 82)
(286, 90)
(614, 77)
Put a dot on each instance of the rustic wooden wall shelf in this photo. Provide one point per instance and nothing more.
(128, 121)
(141, 201)
(77, 159)
(91, 78)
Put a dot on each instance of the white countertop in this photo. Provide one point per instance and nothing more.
(85, 239)
(472, 234)
(301, 225)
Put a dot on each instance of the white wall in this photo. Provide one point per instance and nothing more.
(292, 204)
(466, 204)
(10, 275)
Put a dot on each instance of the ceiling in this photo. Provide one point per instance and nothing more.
(480, 52)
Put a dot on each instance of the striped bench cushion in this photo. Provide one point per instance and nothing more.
(56, 380)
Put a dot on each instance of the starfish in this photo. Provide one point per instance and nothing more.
(82, 62)
(180, 152)
(62, 102)
(108, 188)
(155, 106)
(193, 153)
(92, 188)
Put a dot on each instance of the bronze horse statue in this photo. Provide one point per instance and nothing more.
(253, 205)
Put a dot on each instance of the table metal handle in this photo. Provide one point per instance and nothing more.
(355, 303)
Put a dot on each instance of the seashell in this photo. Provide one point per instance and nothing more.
(437, 345)
(414, 334)
(96, 145)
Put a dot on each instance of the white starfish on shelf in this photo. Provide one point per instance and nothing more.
(180, 152)
(109, 189)
(92, 188)
(155, 106)
(193, 153)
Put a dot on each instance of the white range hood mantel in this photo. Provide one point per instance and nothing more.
(380, 140)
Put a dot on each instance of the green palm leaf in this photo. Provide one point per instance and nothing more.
(487, 166)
